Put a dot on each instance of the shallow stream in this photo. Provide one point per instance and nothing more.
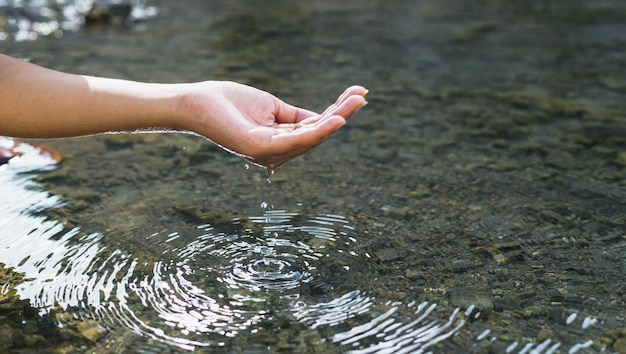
(476, 204)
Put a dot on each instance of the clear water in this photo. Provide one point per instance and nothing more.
(476, 204)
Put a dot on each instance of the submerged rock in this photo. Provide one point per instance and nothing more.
(91, 330)
(477, 297)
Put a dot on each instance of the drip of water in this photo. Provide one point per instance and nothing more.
(271, 169)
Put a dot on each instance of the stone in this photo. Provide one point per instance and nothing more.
(91, 330)
(506, 303)
(620, 345)
(479, 297)
(388, 254)
(544, 334)
(621, 158)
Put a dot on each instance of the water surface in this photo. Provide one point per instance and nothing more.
(477, 202)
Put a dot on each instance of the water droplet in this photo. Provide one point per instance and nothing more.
(270, 169)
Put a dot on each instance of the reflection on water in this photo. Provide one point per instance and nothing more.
(29, 20)
(394, 336)
(485, 176)
(206, 286)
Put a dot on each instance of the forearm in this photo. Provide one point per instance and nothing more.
(40, 103)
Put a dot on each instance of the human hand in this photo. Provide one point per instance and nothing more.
(262, 128)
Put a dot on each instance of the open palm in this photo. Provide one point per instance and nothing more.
(266, 130)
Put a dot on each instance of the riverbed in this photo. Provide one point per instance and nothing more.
(476, 204)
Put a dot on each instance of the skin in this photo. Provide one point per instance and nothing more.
(36, 102)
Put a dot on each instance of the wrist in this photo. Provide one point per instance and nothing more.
(193, 107)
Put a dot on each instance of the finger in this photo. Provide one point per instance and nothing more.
(287, 113)
(347, 93)
(352, 90)
(305, 136)
(347, 108)
(295, 152)
(280, 159)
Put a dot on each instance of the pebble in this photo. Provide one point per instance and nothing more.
(480, 298)
(91, 330)
(621, 158)
(544, 334)
(619, 346)
(506, 303)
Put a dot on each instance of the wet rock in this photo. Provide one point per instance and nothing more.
(478, 297)
(419, 192)
(21, 327)
(6, 338)
(573, 298)
(621, 158)
(413, 273)
(506, 303)
(560, 159)
(198, 215)
(388, 254)
(544, 334)
(533, 311)
(502, 274)
(556, 297)
(91, 330)
(620, 345)
(502, 253)
(557, 314)
(614, 339)
(461, 265)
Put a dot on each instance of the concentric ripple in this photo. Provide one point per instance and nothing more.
(210, 286)
(191, 288)
(215, 282)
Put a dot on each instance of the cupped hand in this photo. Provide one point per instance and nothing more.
(264, 129)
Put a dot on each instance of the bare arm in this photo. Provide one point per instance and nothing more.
(40, 103)
(36, 102)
